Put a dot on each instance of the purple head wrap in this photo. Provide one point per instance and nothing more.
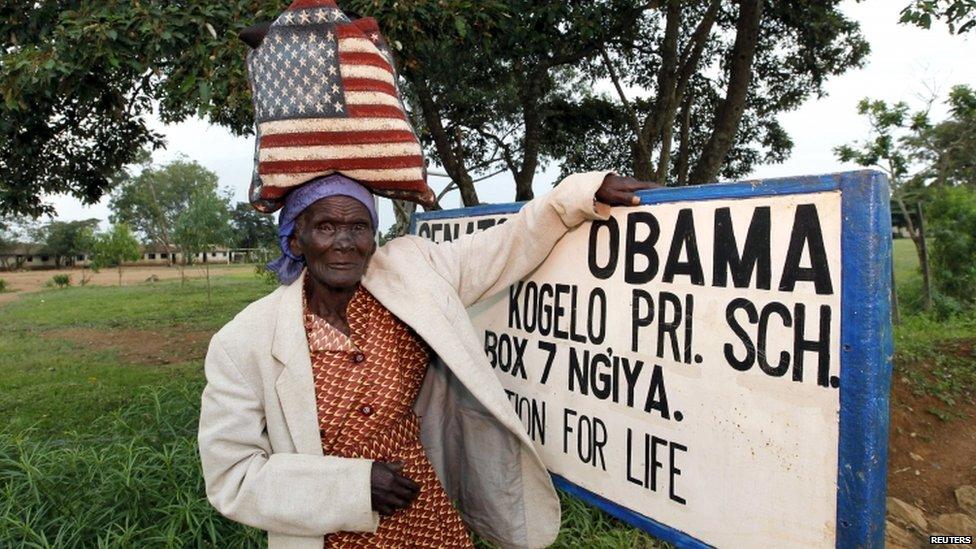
(289, 267)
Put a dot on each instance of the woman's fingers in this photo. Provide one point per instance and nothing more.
(408, 486)
(621, 191)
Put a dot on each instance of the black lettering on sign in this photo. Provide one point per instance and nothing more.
(532, 413)
(784, 358)
(591, 437)
(550, 349)
(757, 349)
(643, 248)
(684, 239)
(641, 301)
(598, 302)
(506, 353)
(559, 311)
(603, 272)
(603, 374)
(821, 346)
(574, 335)
(647, 455)
(806, 234)
(543, 308)
(448, 231)
(657, 395)
(668, 324)
(514, 296)
(755, 252)
(736, 305)
(530, 307)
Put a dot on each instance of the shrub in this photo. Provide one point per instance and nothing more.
(3, 285)
(61, 280)
(952, 225)
(266, 276)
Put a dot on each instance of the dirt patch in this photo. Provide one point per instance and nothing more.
(21, 282)
(146, 347)
(929, 457)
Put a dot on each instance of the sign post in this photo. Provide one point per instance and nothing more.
(712, 366)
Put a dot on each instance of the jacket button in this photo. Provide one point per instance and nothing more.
(358, 357)
(366, 410)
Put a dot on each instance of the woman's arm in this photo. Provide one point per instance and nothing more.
(480, 264)
(295, 494)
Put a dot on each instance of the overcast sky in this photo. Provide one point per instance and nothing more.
(902, 62)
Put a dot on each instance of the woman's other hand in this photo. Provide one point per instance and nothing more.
(618, 190)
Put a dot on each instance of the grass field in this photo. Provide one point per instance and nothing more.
(99, 388)
(90, 419)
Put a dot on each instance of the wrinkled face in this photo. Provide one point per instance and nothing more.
(335, 234)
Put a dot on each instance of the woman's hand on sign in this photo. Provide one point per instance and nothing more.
(390, 490)
(618, 190)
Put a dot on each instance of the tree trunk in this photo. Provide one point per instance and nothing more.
(730, 111)
(895, 313)
(403, 210)
(120, 274)
(923, 258)
(453, 165)
(532, 119)
(684, 136)
(914, 234)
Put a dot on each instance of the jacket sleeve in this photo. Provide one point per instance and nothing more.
(481, 264)
(295, 494)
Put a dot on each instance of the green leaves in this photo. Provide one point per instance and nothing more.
(80, 79)
(958, 15)
(114, 247)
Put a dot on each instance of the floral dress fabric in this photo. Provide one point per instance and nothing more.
(365, 387)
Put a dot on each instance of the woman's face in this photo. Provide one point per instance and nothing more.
(335, 234)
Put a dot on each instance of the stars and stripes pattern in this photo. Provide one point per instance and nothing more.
(326, 100)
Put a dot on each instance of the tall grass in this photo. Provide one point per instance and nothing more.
(133, 480)
(137, 482)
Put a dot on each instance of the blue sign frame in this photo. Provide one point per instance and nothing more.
(866, 343)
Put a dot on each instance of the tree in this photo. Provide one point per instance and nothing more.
(917, 154)
(952, 215)
(204, 225)
(16, 232)
(683, 125)
(959, 15)
(113, 248)
(67, 239)
(504, 86)
(253, 229)
(79, 80)
(151, 200)
(494, 86)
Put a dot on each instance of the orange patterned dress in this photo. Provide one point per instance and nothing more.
(365, 387)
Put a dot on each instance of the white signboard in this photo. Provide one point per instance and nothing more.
(681, 364)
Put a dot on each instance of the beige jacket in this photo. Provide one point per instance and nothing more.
(259, 436)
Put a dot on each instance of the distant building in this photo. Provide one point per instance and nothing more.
(32, 256)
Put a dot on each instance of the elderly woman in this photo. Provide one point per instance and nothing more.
(354, 406)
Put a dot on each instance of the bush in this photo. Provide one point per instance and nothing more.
(137, 483)
(911, 298)
(3, 285)
(268, 277)
(61, 280)
(952, 226)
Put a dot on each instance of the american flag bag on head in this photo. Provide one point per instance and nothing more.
(326, 101)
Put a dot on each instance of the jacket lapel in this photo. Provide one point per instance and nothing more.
(296, 385)
(413, 305)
